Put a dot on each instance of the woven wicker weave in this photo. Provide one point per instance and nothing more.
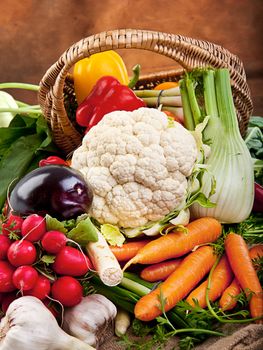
(188, 52)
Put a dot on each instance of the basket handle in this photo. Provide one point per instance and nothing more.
(188, 52)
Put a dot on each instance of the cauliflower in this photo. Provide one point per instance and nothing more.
(137, 164)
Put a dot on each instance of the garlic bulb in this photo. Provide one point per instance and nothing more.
(28, 324)
(91, 320)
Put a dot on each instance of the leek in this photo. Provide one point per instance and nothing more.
(208, 92)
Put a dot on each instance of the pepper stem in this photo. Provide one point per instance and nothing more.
(135, 77)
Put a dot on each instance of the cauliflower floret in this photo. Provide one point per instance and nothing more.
(137, 166)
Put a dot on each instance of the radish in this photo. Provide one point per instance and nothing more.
(41, 289)
(6, 273)
(33, 227)
(21, 252)
(67, 290)
(53, 241)
(5, 243)
(25, 277)
(7, 300)
(13, 224)
(70, 261)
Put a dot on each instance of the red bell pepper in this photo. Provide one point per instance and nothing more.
(107, 95)
(52, 160)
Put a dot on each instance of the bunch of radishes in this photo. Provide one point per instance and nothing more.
(22, 244)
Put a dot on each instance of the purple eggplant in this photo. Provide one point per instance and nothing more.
(57, 190)
(258, 200)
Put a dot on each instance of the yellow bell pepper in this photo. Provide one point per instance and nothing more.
(89, 70)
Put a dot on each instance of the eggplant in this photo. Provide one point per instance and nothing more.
(258, 200)
(57, 190)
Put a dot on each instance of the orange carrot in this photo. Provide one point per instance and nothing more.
(228, 299)
(220, 280)
(128, 250)
(172, 115)
(242, 266)
(159, 271)
(190, 272)
(256, 251)
(176, 244)
(166, 85)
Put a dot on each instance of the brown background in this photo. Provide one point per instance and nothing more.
(34, 33)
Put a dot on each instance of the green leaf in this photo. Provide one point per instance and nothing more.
(254, 142)
(256, 121)
(112, 234)
(54, 224)
(69, 224)
(17, 128)
(258, 170)
(84, 232)
(15, 162)
(21, 120)
(201, 199)
(48, 259)
(43, 130)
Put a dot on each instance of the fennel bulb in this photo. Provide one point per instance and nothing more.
(208, 93)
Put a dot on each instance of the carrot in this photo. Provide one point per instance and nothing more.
(228, 299)
(127, 250)
(159, 271)
(175, 244)
(190, 272)
(166, 85)
(242, 266)
(220, 280)
(172, 115)
(256, 251)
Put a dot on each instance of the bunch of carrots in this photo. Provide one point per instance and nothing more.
(191, 268)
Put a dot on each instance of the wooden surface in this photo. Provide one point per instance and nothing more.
(34, 33)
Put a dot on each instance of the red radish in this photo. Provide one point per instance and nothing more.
(5, 243)
(41, 288)
(6, 273)
(25, 277)
(21, 252)
(7, 300)
(33, 227)
(53, 241)
(72, 262)
(13, 224)
(67, 290)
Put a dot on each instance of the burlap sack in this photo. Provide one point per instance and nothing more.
(238, 337)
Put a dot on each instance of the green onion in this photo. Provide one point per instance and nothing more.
(24, 86)
(156, 93)
(171, 101)
(168, 100)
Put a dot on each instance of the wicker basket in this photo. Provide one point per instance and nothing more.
(56, 86)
